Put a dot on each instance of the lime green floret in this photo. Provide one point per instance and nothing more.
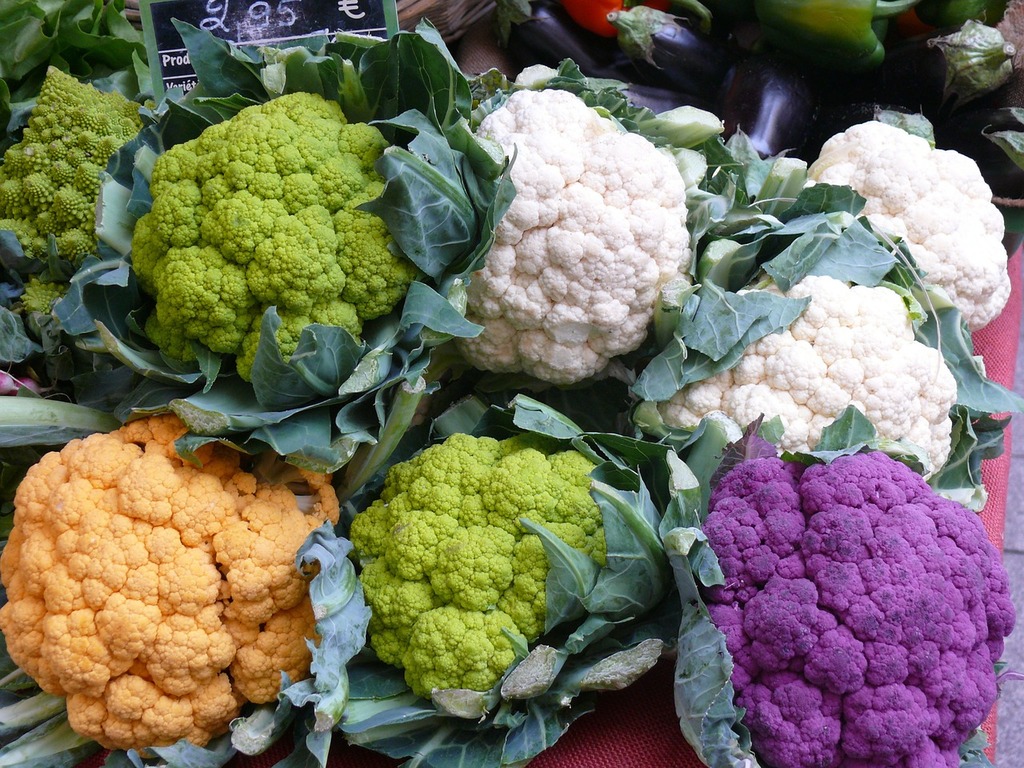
(448, 569)
(49, 181)
(260, 211)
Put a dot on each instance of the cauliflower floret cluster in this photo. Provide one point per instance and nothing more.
(596, 229)
(448, 568)
(49, 181)
(263, 210)
(155, 595)
(853, 345)
(864, 613)
(936, 200)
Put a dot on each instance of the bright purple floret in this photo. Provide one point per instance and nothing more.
(864, 613)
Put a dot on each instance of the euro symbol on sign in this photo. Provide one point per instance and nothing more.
(351, 9)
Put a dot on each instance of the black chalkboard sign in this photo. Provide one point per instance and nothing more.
(252, 22)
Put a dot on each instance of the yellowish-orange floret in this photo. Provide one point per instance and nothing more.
(158, 596)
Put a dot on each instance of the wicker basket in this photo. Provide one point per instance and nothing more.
(451, 17)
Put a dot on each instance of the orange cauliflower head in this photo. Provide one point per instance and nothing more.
(156, 595)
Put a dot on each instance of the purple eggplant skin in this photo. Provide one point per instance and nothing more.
(911, 76)
(772, 101)
(964, 131)
(685, 59)
(550, 35)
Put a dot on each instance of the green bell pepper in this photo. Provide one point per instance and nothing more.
(953, 13)
(836, 34)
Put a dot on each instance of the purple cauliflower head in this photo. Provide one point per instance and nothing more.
(864, 613)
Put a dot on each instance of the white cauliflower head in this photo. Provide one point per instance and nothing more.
(936, 200)
(852, 345)
(597, 228)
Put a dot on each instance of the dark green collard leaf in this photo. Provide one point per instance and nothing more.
(973, 439)
(723, 324)
(184, 754)
(52, 743)
(850, 431)
(411, 72)
(825, 198)
(542, 727)
(703, 677)
(636, 573)
(427, 308)
(221, 68)
(571, 576)
(306, 439)
(102, 291)
(972, 751)
(835, 246)
(424, 203)
(15, 344)
(323, 359)
(945, 330)
(534, 416)
(725, 321)
(228, 406)
(148, 362)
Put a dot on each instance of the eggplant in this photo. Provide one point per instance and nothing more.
(965, 131)
(938, 73)
(772, 101)
(668, 51)
(550, 35)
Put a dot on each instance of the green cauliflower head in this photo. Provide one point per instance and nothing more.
(50, 179)
(450, 572)
(259, 211)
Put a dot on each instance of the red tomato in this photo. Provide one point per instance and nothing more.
(593, 14)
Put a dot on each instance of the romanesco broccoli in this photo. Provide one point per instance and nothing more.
(49, 181)
(262, 210)
(448, 570)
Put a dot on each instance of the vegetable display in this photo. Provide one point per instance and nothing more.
(352, 402)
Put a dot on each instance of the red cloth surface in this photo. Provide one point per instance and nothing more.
(637, 726)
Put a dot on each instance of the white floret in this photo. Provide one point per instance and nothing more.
(936, 200)
(853, 345)
(597, 228)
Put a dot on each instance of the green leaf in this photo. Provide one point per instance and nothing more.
(945, 330)
(534, 416)
(426, 307)
(341, 619)
(725, 321)
(571, 576)
(636, 573)
(15, 344)
(52, 743)
(31, 420)
(221, 69)
(850, 429)
(424, 204)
